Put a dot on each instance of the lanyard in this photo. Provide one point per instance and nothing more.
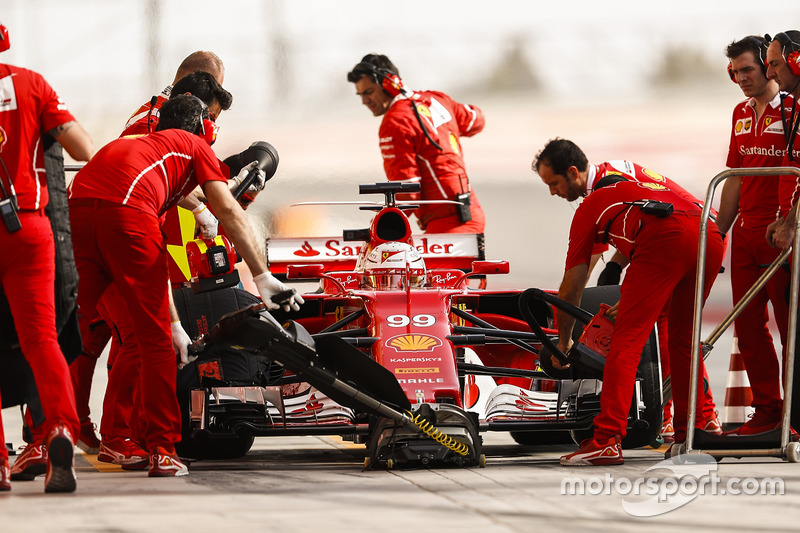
(791, 132)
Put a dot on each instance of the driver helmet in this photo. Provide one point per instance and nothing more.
(390, 264)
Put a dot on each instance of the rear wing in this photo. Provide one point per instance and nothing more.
(439, 250)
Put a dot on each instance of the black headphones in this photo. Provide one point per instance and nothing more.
(388, 80)
(790, 50)
(760, 44)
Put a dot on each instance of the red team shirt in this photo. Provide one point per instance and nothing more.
(409, 155)
(631, 172)
(23, 89)
(608, 205)
(134, 171)
(145, 119)
(757, 145)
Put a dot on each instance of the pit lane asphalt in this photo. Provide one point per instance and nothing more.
(304, 484)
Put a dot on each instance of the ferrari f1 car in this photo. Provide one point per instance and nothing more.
(398, 350)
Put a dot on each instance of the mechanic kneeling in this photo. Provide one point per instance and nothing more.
(660, 239)
(115, 204)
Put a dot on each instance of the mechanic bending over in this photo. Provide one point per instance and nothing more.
(116, 202)
(27, 264)
(757, 140)
(564, 168)
(119, 439)
(120, 428)
(420, 141)
(660, 240)
(143, 121)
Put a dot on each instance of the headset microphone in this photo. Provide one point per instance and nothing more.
(153, 102)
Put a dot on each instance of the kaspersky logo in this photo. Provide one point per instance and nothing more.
(414, 343)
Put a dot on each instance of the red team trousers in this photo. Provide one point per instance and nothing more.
(750, 255)
(124, 246)
(661, 276)
(122, 391)
(27, 277)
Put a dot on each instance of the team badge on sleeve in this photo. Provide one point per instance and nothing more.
(743, 126)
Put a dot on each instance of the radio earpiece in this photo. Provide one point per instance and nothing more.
(208, 128)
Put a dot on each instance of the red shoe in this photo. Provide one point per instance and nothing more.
(60, 468)
(87, 440)
(122, 452)
(668, 431)
(760, 422)
(712, 425)
(30, 463)
(165, 464)
(594, 453)
(5, 476)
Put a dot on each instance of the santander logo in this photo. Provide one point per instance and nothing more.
(306, 250)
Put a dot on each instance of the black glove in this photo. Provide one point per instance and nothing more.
(610, 274)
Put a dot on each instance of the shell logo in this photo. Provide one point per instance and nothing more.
(413, 343)
(655, 175)
(653, 186)
(454, 143)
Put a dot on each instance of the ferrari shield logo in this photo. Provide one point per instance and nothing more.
(413, 343)
(387, 255)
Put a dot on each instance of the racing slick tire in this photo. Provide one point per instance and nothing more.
(216, 367)
(645, 430)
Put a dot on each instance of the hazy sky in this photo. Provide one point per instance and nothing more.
(295, 53)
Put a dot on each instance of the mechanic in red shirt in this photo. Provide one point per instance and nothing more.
(420, 141)
(566, 171)
(662, 252)
(783, 66)
(143, 121)
(757, 140)
(120, 426)
(28, 107)
(116, 202)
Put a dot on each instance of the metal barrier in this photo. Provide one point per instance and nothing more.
(789, 451)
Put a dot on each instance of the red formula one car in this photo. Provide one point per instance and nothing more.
(396, 350)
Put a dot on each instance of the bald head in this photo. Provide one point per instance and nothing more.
(201, 60)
